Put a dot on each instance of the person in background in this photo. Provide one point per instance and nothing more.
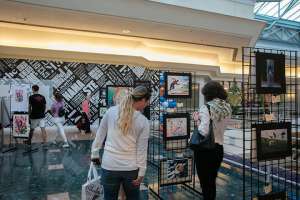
(208, 162)
(86, 116)
(57, 111)
(124, 159)
(37, 108)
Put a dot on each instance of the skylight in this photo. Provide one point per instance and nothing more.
(285, 9)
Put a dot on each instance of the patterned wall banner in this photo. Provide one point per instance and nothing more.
(73, 79)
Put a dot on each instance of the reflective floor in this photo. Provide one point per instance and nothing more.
(58, 173)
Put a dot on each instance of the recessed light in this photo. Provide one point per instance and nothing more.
(126, 31)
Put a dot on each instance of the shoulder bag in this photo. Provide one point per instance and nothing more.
(199, 142)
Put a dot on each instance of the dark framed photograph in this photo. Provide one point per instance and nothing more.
(178, 85)
(273, 140)
(270, 73)
(175, 171)
(176, 126)
(147, 84)
(272, 196)
(114, 94)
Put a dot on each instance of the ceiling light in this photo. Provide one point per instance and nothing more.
(126, 31)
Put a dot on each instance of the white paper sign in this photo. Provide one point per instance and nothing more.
(19, 98)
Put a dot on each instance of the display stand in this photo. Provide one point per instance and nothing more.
(165, 154)
(269, 108)
(4, 110)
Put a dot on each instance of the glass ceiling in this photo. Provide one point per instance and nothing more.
(284, 9)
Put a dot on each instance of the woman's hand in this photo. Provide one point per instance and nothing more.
(96, 161)
(196, 117)
(137, 182)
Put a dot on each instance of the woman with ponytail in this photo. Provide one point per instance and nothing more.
(124, 158)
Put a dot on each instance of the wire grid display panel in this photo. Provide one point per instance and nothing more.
(167, 153)
(261, 176)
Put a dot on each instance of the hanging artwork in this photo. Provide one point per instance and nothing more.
(21, 125)
(114, 94)
(178, 85)
(176, 126)
(273, 140)
(176, 171)
(19, 98)
(270, 73)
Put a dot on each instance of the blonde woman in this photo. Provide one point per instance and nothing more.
(124, 159)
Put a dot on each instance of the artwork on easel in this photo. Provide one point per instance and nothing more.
(178, 85)
(273, 140)
(175, 171)
(270, 73)
(21, 125)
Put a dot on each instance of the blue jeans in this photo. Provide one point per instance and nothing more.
(111, 181)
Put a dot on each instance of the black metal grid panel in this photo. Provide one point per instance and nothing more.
(280, 174)
(161, 152)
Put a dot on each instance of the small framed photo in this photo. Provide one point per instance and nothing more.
(273, 140)
(178, 85)
(147, 84)
(114, 94)
(270, 73)
(175, 171)
(102, 111)
(272, 196)
(176, 126)
(178, 144)
(21, 126)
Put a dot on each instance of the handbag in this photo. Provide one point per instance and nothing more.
(61, 112)
(199, 142)
(92, 189)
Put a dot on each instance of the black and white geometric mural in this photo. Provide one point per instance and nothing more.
(72, 79)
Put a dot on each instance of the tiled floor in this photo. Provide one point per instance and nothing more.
(58, 173)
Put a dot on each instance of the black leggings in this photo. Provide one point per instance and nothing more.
(208, 164)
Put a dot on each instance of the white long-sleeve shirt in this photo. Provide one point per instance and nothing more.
(218, 126)
(122, 153)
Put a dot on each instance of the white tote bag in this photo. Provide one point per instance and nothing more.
(92, 189)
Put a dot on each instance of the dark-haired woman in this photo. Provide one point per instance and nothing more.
(58, 117)
(125, 151)
(208, 162)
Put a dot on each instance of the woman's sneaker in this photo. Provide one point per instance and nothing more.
(66, 145)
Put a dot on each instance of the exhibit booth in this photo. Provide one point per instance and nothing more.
(174, 57)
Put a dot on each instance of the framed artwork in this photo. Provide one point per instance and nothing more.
(270, 73)
(176, 126)
(273, 140)
(114, 94)
(21, 125)
(272, 196)
(178, 85)
(147, 84)
(175, 171)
